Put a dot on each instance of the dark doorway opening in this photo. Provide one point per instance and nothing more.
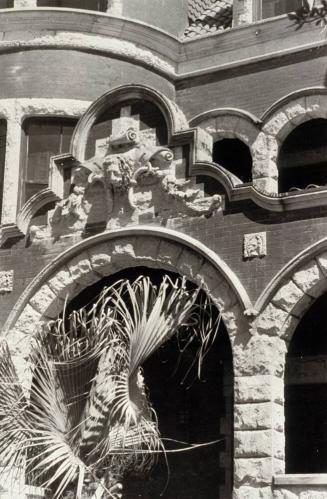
(306, 394)
(235, 156)
(188, 409)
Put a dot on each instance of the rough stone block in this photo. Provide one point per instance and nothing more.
(81, 270)
(287, 297)
(315, 106)
(100, 258)
(189, 263)
(271, 320)
(262, 355)
(296, 111)
(253, 471)
(247, 492)
(322, 262)
(260, 149)
(47, 302)
(169, 253)
(266, 184)
(209, 277)
(279, 122)
(258, 416)
(147, 247)
(258, 443)
(284, 494)
(28, 320)
(265, 388)
(310, 279)
(62, 283)
(263, 168)
(6, 281)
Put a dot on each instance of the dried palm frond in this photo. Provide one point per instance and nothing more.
(89, 416)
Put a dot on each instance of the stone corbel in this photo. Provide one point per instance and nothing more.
(9, 233)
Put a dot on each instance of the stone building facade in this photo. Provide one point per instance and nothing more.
(185, 137)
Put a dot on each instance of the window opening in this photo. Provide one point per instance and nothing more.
(306, 394)
(302, 159)
(98, 5)
(45, 137)
(235, 156)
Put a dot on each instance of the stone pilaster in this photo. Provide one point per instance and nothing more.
(258, 416)
(12, 167)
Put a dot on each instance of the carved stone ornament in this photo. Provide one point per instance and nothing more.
(255, 245)
(6, 281)
(130, 180)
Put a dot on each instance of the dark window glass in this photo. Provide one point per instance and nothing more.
(302, 160)
(306, 394)
(99, 5)
(272, 8)
(235, 156)
(44, 138)
(3, 138)
(6, 4)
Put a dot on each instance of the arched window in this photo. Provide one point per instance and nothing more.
(306, 394)
(235, 156)
(141, 115)
(99, 5)
(3, 140)
(44, 137)
(302, 161)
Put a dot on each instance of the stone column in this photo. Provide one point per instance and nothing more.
(258, 416)
(21, 4)
(12, 168)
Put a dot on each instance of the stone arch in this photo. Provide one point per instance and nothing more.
(174, 117)
(278, 121)
(229, 123)
(89, 261)
(281, 307)
(235, 123)
(293, 290)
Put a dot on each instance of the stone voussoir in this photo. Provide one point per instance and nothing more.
(81, 270)
(271, 320)
(169, 253)
(47, 302)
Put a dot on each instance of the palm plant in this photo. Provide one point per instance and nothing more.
(88, 420)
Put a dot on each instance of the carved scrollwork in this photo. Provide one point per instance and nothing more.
(128, 181)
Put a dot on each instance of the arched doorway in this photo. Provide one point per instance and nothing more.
(189, 410)
(306, 393)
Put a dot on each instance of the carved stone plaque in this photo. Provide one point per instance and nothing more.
(6, 281)
(255, 245)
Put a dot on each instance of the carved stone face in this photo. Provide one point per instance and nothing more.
(113, 172)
